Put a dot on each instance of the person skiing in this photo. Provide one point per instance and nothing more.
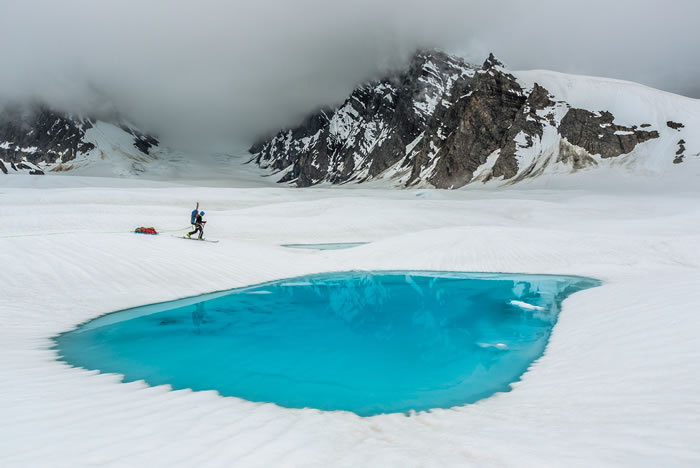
(198, 225)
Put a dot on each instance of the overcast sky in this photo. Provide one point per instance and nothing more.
(238, 69)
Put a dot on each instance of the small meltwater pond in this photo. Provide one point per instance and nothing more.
(366, 342)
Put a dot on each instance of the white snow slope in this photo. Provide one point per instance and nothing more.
(617, 385)
(115, 155)
(631, 104)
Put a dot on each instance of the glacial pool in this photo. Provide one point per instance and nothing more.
(366, 342)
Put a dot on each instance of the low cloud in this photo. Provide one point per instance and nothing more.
(232, 71)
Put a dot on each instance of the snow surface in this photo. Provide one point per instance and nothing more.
(616, 386)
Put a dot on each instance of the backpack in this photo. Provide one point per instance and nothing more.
(193, 219)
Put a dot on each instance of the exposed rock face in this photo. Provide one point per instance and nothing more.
(142, 142)
(471, 129)
(680, 154)
(445, 123)
(372, 130)
(40, 136)
(36, 138)
(599, 135)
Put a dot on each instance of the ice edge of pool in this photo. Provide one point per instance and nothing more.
(583, 283)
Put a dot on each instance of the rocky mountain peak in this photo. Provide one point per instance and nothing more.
(446, 123)
(492, 62)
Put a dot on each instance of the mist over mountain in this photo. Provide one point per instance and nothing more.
(193, 72)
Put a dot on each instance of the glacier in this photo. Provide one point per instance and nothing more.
(617, 384)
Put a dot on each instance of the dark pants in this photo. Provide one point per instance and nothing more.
(197, 228)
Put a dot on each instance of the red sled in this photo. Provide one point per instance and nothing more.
(146, 230)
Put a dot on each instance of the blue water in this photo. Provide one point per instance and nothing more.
(333, 246)
(366, 342)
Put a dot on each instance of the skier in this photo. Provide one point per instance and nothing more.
(198, 225)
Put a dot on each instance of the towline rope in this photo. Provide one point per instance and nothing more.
(84, 232)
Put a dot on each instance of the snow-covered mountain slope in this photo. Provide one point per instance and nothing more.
(116, 150)
(39, 140)
(676, 118)
(445, 123)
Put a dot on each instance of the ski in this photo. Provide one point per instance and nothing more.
(195, 239)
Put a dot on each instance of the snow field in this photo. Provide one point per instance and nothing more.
(616, 386)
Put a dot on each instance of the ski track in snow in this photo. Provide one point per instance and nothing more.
(617, 384)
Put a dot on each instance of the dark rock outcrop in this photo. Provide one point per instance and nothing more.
(142, 142)
(680, 154)
(476, 126)
(597, 134)
(530, 125)
(41, 135)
